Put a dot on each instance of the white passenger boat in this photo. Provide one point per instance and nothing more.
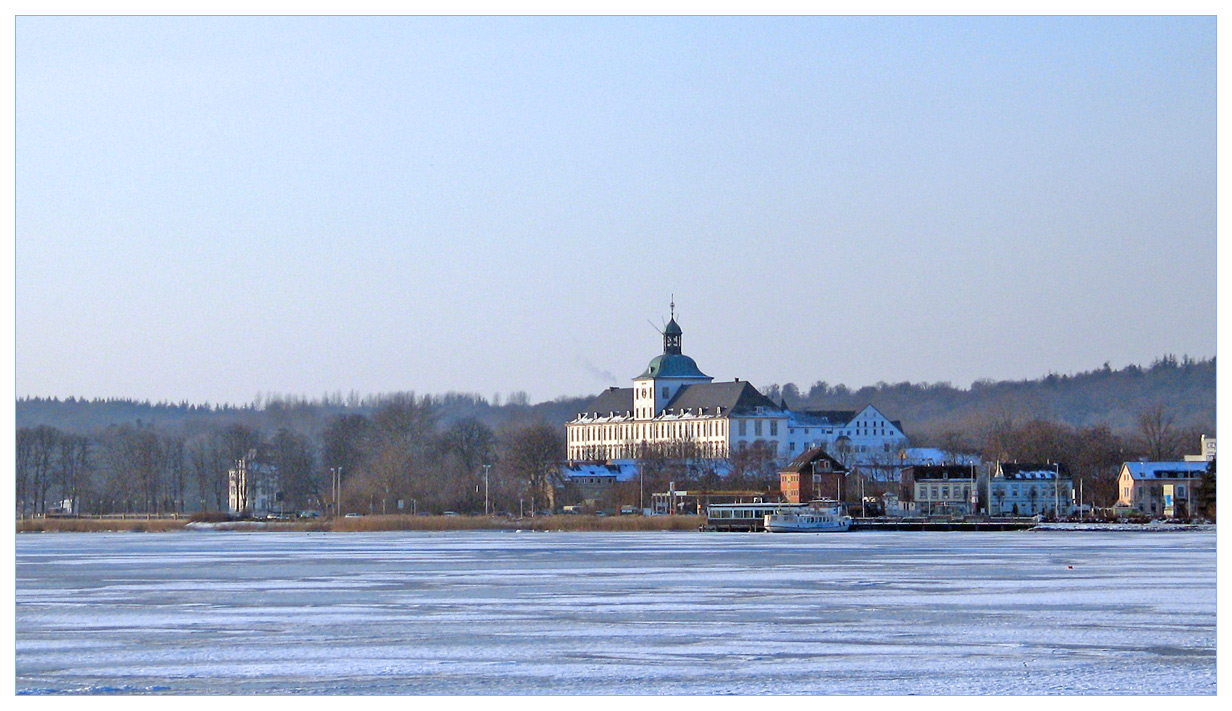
(817, 518)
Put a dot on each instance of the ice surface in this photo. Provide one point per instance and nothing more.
(1053, 612)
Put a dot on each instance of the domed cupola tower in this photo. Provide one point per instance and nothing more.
(665, 374)
(671, 335)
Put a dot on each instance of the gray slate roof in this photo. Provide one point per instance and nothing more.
(617, 400)
(827, 417)
(931, 472)
(806, 459)
(736, 398)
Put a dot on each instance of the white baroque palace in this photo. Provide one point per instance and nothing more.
(675, 406)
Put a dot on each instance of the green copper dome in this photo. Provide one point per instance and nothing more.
(672, 365)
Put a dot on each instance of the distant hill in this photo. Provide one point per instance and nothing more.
(81, 416)
(1186, 387)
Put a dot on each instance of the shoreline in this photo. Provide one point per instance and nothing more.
(563, 522)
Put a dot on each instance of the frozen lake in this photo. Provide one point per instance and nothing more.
(616, 613)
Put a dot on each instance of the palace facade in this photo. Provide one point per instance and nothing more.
(676, 408)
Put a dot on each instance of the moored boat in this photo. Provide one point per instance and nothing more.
(817, 518)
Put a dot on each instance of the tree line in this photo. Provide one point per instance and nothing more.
(399, 456)
(1102, 397)
(428, 452)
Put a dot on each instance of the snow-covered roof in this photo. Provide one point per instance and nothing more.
(620, 470)
(932, 455)
(626, 469)
(1165, 470)
(1016, 470)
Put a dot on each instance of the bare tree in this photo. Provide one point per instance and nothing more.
(465, 447)
(291, 454)
(344, 443)
(73, 462)
(1206, 492)
(209, 458)
(398, 450)
(24, 470)
(36, 463)
(174, 473)
(1156, 433)
(533, 454)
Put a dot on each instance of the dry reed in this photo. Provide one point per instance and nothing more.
(394, 522)
(99, 525)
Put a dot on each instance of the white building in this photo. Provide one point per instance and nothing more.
(254, 489)
(950, 489)
(1208, 451)
(853, 436)
(681, 410)
(1030, 489)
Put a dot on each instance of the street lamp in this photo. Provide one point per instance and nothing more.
(641, 489)
(486, 468)
(335, 482)
(1056, 491)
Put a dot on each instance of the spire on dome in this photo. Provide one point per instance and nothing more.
(672, 332)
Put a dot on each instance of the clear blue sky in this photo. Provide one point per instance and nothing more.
(208, 208)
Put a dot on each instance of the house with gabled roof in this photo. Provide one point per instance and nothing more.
(1160, 488)
(950, 489)
(813, 474)
(855, 436)
(1031, 489)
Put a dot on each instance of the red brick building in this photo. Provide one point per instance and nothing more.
(812, 475)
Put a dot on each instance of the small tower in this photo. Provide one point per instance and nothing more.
(671, 334)
(665, 374)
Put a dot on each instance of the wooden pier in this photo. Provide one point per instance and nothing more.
(921, 524)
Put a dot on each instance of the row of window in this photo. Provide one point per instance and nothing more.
(660, 430)
(657, 430)
(628, 450)
(1157, 491)
(755, 514)
(743, 428)
(941, 493)
(1016, 492)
